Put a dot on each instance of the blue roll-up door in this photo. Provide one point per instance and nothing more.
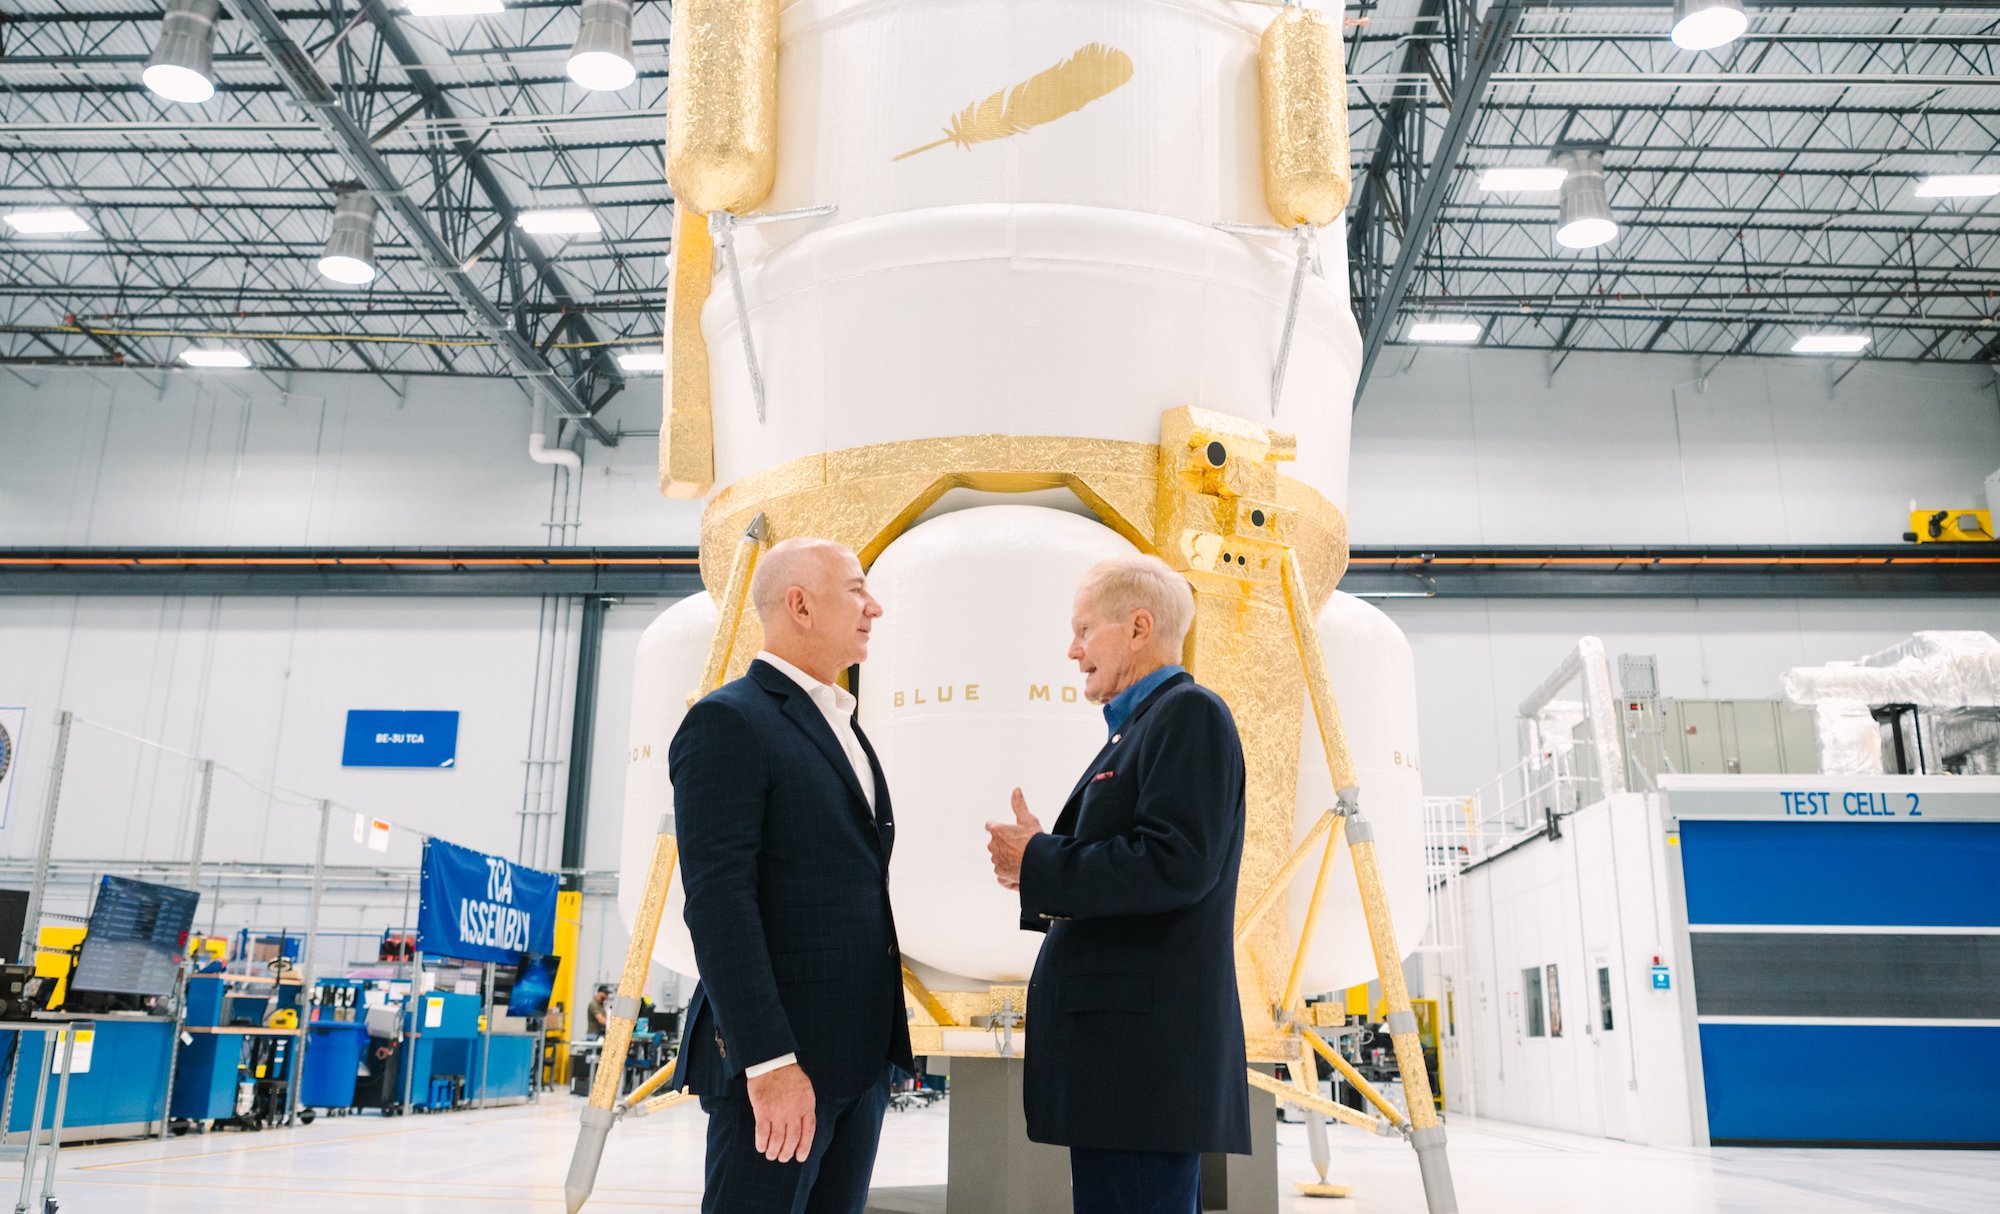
(1846, 978)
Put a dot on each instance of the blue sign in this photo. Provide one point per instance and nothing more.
(379, 737)
(477, 907)
(1661, 981)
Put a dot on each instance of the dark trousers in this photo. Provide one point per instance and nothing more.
(832, 1180)
(1134, 1182)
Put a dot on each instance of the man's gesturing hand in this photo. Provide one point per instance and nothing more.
(783, 1102)
(1009, 839)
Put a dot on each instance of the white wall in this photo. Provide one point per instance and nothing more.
(1595, 897)
(1478, 447)
(102, 458)
(1453, 446)
(262, 686)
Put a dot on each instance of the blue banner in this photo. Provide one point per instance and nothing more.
(477, 907)
(390, 738)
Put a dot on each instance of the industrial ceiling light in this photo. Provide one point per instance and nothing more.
(183, 64)
(642, 360)
(350, 241)
(1703, 25)
(1831, 343)
(54, 221)
(215, 358)
(1586, 213)
(452, 8)
(1959, 185)
(1523, 181)
(1444, 330)
(602, 57)
(574, 221)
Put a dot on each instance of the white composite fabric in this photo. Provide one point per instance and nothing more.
(1374, 680)
(1065, 280)
(667, 666)
(976, 603)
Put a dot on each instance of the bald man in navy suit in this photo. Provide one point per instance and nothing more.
(785, 832)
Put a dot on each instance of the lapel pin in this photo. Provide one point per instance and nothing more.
(1117, 738)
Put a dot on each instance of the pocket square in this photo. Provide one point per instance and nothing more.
(1102, 775)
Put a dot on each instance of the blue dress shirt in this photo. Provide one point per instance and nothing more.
(1122, 704)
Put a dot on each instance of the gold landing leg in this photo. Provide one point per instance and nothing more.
(605, 1107)
(1424, 1130)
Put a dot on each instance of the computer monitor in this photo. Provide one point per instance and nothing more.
(137, 933)
(13, 923)
(534, 982)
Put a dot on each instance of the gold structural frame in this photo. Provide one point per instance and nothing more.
(1262, 553)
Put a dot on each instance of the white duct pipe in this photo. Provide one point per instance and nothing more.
(540, 451)
(1600, 707)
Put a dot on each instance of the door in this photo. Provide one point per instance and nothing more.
(1610, 1033)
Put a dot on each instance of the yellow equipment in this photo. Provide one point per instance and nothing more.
(1950, 527)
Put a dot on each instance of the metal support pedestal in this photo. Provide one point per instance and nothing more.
(995, 1169)
(1246, 1184)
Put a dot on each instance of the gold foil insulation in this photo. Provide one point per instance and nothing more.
(687, 432)
(722, 104)
(1301, 66)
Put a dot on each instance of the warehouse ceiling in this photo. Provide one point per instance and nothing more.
(1762, 191)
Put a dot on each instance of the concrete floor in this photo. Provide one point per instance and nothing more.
(512, 1161)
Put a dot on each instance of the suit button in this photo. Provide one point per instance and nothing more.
(892, 950)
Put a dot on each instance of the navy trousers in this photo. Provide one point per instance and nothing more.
(832, 1180)
(1134, 1182)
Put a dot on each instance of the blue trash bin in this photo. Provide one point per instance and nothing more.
(333, 1057)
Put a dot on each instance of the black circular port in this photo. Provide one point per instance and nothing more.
(1243, 560)
(1256, 518)
(1217, 455)
(1225, 558)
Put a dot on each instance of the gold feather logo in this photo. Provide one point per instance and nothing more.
(1044, 97)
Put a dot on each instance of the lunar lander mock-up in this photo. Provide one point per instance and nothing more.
(988, 290)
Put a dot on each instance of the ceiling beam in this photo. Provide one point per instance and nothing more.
(1481, 62)
(601, 361)
(293, 66)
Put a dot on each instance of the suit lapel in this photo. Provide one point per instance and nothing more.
(885, 817)
(807, 716)
(1066, 822)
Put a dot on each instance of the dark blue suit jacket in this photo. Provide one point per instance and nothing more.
(1135, 1032)
(787, 881)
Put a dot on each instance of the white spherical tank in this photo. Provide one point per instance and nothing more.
(1374, 682)
(967, 694)
(665, 669)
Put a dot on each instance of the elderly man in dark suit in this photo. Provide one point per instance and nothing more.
(1135, 1054)
(785, 832)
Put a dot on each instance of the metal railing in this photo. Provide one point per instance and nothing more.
(1520, 802)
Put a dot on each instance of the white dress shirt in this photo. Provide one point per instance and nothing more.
(836, 704)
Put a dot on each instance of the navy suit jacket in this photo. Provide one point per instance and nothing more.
(1135, 1032)
(787, 880)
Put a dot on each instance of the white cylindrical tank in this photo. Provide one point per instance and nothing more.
(967, 694)
(671, 654)
(1050, 264)
(1374, 681)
